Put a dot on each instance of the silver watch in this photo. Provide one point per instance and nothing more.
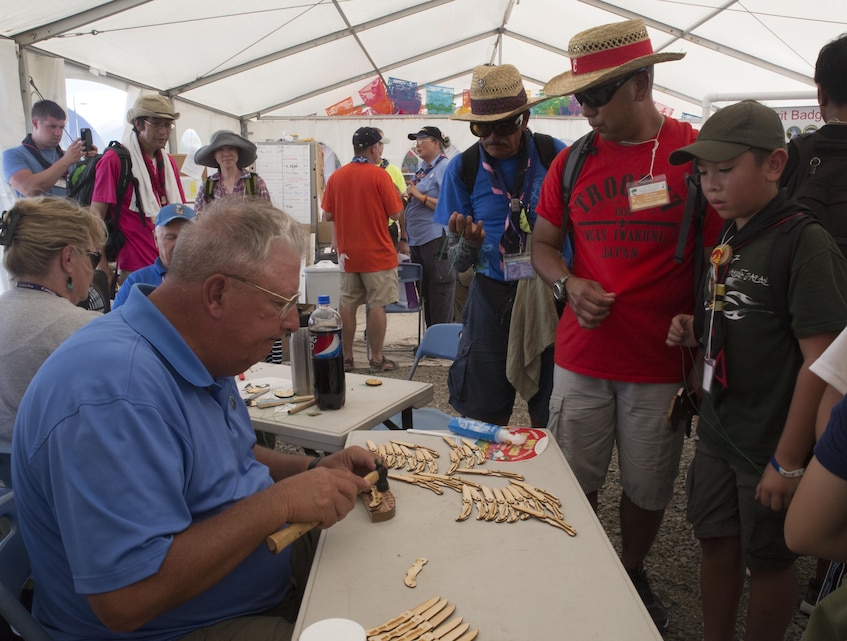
(560, 293)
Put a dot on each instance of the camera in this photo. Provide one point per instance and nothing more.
(85, 135)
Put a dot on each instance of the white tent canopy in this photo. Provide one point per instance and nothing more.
(266, 58)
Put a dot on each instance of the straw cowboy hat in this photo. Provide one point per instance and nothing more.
(604, 53)
(497, 92)
(151, 106)
(246, 150)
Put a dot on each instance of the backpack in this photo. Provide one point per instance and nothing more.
(819, 181)
(81, 188)
(470, 158)
(251, 189)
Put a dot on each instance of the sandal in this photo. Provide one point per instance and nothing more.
(348, 365)
(386, 365)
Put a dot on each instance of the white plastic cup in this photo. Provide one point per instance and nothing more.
(334, 630)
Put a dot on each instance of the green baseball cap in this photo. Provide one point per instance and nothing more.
(732, 131)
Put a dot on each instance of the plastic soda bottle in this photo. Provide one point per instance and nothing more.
(327, 356)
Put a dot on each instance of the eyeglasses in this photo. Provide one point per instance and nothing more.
(94, 257)
(501, 127)
(597, 97)
(288, 303)
(161, 124)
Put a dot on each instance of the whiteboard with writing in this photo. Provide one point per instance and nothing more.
(288, 169)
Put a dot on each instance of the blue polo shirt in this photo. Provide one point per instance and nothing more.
(124, 439)
(151, 275)
(17, 158)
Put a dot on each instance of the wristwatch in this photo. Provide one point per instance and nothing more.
(559, 291)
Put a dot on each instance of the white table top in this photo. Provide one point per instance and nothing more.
(512, 581)
(365, 407)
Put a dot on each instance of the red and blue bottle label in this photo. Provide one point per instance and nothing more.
(326, 344)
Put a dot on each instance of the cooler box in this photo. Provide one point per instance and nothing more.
(323, 278)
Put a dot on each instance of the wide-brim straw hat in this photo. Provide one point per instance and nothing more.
(496, 93)
(604, 53)
(246, 150)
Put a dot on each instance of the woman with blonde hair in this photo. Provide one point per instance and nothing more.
(50, 252)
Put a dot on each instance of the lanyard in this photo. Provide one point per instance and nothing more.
(25, 285)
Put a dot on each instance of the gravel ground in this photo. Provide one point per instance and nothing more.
(673, 564)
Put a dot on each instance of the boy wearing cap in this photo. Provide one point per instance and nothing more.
(169, 224)
(359, 199)
(757, 415)
(614, 377)
(155, 182)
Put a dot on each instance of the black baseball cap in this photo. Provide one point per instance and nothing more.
(366, 137)
(428, 132)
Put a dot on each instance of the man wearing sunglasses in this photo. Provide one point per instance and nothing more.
(490, 223)
(155, 182)
(159, 528)
(615, 378)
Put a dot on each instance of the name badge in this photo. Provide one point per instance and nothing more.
(61, 183)
(518, 267)
(647, 193)
(708, 374)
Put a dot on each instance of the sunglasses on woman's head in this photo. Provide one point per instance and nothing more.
(597, 97)
(501, 127)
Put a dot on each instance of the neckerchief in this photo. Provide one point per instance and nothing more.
(32, 148)
(775, 213)
(360, 159)
(518, 223)
(425, 168)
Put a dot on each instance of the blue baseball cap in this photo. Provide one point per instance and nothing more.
(173, 212)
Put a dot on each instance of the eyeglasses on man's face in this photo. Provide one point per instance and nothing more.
(287, 303)
(160, 123)
(502, 127)
(597, 97)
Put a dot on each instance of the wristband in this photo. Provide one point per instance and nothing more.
(314, 463)
(793, 474)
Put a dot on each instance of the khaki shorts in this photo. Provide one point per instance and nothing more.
(722, 503)
(377, 289)
(590, 415)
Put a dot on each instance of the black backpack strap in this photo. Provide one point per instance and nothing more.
(470, 164)
(125, 178)
(574, 162)
(782, 257)
(208, 190)
(546, 148)
(251, 189)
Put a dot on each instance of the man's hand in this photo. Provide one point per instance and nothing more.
(681, 332)
(589, 301)
(73, 154)
(471, 232)
(775, 491)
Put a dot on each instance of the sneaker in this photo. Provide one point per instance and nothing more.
(810, 600)
(654, 607)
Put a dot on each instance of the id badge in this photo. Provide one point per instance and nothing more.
(648, 193)
(708, 374)
(518, 267)
(61, 183)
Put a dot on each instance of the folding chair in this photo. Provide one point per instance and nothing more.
(14, 573)
(439, 341)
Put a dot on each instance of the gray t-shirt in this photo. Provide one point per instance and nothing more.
(33, 323)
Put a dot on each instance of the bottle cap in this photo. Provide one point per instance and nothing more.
(323, 299)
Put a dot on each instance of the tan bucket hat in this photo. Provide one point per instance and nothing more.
(604, 53)
(497, 92)
(152, 106)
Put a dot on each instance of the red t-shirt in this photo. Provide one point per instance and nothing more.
(630, 254)
(361, 197)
